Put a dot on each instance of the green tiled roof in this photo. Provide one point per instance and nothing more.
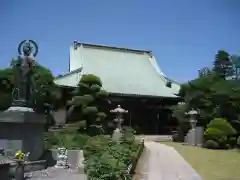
(124, 71)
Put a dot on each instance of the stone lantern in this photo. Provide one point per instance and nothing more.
(193, 122)
(193, 119)
(117, 134)
(119, 116)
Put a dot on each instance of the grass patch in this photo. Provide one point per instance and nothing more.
(211, 164)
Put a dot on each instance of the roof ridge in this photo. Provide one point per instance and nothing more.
(77, 43)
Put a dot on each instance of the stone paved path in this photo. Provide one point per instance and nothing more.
(162, 162)
(55, 174)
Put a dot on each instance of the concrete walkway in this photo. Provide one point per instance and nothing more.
(162, 162)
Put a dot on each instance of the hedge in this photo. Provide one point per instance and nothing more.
(105, 159)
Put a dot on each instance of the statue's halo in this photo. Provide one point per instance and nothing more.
(32, 43)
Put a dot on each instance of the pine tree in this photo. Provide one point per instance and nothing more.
(223, 65)
(87, 105)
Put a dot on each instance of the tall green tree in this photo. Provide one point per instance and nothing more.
(222, 64)
(6, 84)
(204, 72)
(214, 92)
(236, 65)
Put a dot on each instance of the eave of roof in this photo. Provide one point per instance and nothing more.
(69, 73)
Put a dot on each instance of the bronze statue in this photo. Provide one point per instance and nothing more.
(23, 72)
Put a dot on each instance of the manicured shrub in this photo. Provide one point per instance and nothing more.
(222, 125)
(213, 133)
(211, 144)
(91, 79)
(220, 131)
(88, 105)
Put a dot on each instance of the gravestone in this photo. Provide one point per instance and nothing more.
(21, 128)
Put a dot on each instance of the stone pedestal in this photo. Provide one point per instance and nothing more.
(195, 136)
(19, 172)
(193, 123)
(4, 171)
(22, 129)
(116, 135)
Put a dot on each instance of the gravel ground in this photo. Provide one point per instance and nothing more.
(162, 162)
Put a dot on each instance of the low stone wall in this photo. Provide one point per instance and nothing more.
(132, 166)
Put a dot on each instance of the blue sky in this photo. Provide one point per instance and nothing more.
(184, 35)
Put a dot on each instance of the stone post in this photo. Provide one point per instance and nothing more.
(193, 123)
(19, 172)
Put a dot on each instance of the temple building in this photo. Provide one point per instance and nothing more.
(133, 79)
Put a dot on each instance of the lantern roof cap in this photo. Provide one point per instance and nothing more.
(119, 109)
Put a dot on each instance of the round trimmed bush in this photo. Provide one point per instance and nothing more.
(213, 133)
(211, 144)
(91, 79)
(222, 125)
(220, 131)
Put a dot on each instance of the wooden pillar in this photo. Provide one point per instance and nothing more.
(130, 117)
(157, 123)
